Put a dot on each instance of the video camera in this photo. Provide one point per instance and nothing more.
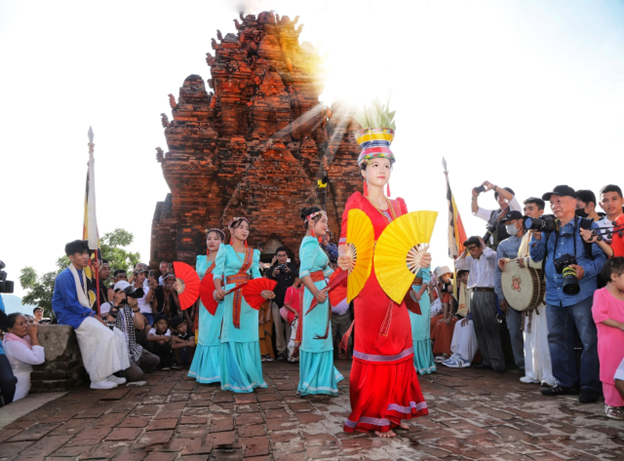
(545, 223)
(6, 286)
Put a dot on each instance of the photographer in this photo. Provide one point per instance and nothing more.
(145, 303)
(481, 263)
(506, 251)
(571, 267)
(126, 316)
(284, 273)
(506, 201)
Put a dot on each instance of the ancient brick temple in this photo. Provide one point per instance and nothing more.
(254, 146)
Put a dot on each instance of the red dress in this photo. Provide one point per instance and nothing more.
(384, 385)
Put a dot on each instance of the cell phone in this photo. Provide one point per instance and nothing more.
(480, 189)
(150, 274)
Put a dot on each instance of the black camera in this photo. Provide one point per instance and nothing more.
(6, 286)
(562, 266)
(282, 267)
(132, 292)
(545, 223)
(480, 189)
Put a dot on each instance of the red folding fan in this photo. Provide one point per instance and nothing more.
(206, 293)
(188, 284)
(339, 278)
(339, 293)
(253, 289)
(411, 303)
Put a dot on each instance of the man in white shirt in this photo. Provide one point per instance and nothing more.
(482, 263)
(506, 199)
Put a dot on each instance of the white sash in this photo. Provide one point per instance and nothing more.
(83, 296)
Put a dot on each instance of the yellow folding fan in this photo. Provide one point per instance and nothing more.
(360, 245)
(399, 250)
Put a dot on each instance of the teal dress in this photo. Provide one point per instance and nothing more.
(421, 329)
(241, 365)
(317, 374)
(206, 366)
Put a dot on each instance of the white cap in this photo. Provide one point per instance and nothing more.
(105, 308)
(121, 285)
(439, 271)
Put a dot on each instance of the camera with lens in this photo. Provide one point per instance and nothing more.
(545, 223)
(563, 266)
(6, 286)
(282, 267)
(480, 189)
(132, 292)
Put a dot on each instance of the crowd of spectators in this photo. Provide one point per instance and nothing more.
(573, 343)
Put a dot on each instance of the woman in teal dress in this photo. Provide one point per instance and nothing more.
(317, 374)
(241, 366)
(206, 365)
(421, 324)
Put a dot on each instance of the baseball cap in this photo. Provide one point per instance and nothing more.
(561, 191)
(511, 215)
(121, 285)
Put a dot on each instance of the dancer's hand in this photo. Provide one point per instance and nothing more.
(425, 260)
(267, 294)
(344, 262)
(219, 294)
(321, 296)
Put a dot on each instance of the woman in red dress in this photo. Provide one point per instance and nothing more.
(384, 386)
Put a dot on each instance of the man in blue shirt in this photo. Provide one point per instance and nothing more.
(103, 350)
(507, 250)
(7, 378)
(565, 311)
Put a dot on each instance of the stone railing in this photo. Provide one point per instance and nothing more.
(62, 369)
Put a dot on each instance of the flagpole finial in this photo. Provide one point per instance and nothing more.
(91, 145)
(444, 165)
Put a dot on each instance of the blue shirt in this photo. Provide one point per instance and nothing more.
(65, 304)
(3, 310)
(554, 281)
(508, 248)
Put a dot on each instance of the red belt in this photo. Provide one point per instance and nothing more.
(236, 278)
(317, 276)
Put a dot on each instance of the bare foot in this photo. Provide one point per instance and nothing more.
(404, 426)
(385, 435)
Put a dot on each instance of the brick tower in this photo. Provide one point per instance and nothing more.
(254, 146)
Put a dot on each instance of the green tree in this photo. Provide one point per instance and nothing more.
(112, 246)
(41, 289)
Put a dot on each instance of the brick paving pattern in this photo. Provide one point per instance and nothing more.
(474, 414)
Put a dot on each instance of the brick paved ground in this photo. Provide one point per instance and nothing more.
(474, 415)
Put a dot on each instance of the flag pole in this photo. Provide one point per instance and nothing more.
(96, 273)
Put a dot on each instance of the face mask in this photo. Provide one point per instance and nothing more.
(581, 212)
(511, 229)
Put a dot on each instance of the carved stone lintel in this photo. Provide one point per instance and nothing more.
(172, 101)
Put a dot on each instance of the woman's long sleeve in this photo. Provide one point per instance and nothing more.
(22, 353)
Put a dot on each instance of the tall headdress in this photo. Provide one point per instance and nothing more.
(377, 133)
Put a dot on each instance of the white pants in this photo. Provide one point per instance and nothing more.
(23, 384)
(537, 364)
(464, 342)
(291, 341)
(103, 351)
